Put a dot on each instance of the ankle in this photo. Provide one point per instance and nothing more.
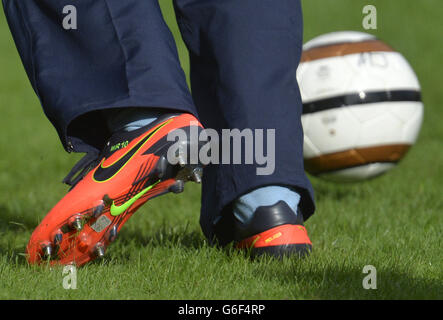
(129, 119)
(246, 205)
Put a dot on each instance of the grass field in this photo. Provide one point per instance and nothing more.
(393, 222)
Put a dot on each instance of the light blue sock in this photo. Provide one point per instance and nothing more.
(129, 119)
(245, 206)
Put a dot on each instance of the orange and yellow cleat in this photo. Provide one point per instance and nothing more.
(133, 168)
(275, 231)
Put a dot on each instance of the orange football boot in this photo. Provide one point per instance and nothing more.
(274, 230)
(134, 167)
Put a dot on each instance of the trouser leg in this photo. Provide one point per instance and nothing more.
(120, 54)
(244, 56)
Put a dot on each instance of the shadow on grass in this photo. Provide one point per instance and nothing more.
(165, 236)
(308, 278)
(330, 282)
(15, 229)
(347, 283)
(324, 191)
(11, 220)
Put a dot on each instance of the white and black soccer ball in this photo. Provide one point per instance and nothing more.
(362, 107)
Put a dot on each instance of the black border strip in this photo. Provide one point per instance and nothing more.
(359, 98)
(320, 173)
(339, 43)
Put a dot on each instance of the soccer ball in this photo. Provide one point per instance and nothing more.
(362, 106)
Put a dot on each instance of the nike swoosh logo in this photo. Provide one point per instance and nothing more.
(118, 210)
(103, 174)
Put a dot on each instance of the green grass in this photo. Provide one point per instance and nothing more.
(393, 222)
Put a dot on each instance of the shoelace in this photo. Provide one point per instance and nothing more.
(91, 160)
(81, 168)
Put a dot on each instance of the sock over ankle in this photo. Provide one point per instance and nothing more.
(245, 206)
(129, 119)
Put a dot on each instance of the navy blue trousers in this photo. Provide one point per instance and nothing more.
(244, 55)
